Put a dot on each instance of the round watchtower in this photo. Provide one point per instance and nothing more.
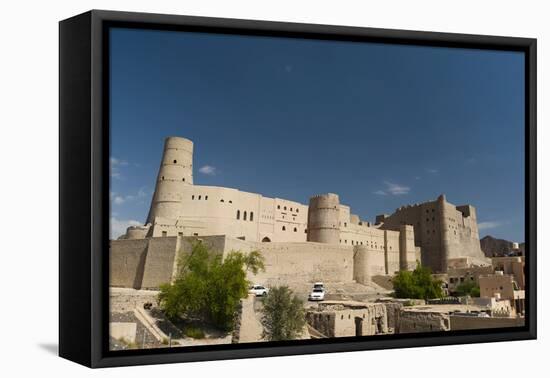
(322, 219)
(137, 232)
(175, 172)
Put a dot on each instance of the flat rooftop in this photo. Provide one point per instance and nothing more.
(444, 308)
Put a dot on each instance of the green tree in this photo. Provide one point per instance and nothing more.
(208, 286)
(418, 284)
(283, 315)
(468, 288)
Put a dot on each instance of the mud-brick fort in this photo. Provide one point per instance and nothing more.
(321, 241)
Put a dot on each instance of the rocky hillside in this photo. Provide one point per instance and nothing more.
(497, 247)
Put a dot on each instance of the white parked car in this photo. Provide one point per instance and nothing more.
(258, 290)
(317, 294)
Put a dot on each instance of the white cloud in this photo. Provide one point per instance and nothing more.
(119, 226)
(432, 170)
(119, 199)
(115, 165)
(488, 225)
(396, 189)
(393, 189)
(118, 162)
(208, 170)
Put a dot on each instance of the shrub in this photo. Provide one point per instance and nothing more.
(418, 284)
(283, 315)
(468, 288)
(209, 287)
(194, 332)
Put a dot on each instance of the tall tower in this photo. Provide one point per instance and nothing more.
(322, 219)
(406, 247)
(441, 265)
(175, 172)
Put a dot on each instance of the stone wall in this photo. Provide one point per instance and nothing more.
(393, 309)
(143, 263)
(412, 321)
(127, 262)
(148, 263)
(470, 322)
(323, 322)
(288, 263)
(159, 262)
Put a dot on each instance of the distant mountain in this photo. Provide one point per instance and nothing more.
(497, 247)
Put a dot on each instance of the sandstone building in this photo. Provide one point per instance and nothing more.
(443, 231)
(323, 240)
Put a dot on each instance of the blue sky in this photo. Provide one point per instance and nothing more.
(381, 125)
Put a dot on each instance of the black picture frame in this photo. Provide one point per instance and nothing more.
(84, 187)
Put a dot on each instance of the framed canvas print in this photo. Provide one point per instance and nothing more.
(234, 188)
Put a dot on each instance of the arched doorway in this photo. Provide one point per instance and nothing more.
(266, 240)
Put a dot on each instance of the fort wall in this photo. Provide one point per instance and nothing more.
(289, 263)
(211, 210)
(159, 262)
(148, 263)
(127, 262)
